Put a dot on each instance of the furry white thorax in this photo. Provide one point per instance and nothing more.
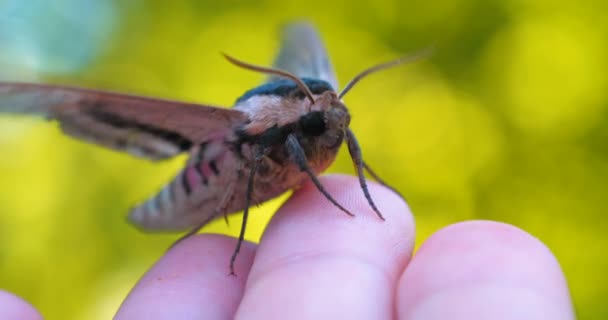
(266, 111)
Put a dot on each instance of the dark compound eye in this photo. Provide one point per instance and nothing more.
(312, 124)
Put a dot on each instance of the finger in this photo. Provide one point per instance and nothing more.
(13, 307)
(316, 262)
(191, 281)
(483, 270)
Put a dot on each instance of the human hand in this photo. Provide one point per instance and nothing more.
(314, 262)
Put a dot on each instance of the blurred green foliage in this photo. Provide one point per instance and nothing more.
(506, 121)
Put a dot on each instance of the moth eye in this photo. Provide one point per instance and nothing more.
(312, 124)
(334, 141)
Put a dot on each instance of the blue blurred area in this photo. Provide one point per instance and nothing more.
(55, 36)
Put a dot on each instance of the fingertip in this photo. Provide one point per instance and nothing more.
(313, 254)
(13, 307)
(347, 191)
(483, 269)
(309, 220)
(192, 280)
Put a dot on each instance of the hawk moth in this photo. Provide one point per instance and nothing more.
(276, 136)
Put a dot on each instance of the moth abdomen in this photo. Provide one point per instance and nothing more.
(197, 191)
(213, 167)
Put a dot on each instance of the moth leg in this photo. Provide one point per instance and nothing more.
(355, 154)
(377, 178)
(267, 169)
(226, 199)
(297, 154)
(258, 154)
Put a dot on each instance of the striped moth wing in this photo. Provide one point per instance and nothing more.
(302, 53)
(154, 129)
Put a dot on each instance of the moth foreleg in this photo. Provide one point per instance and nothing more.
(258, 154)
(226, 199)
(355, 154)
(379, 180)
(299, 157)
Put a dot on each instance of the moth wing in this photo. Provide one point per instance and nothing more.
(303, 54)
(150, 128)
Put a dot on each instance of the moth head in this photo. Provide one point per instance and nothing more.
(327, 121)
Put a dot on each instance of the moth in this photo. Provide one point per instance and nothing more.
(276, 136)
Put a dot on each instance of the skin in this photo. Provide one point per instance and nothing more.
(315, 262)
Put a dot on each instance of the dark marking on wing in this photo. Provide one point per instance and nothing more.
(116, 121)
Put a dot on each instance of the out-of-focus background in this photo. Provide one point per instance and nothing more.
(507, 120)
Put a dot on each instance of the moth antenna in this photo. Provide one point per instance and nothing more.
(355, 154)
(277, 72)
(295, 150)
(402, 60)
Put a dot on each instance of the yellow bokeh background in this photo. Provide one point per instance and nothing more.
(507, 121)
